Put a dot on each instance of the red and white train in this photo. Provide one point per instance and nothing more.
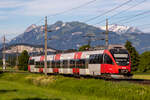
(113, 62)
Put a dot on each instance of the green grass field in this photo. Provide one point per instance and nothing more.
(26, 86)
(142, 76)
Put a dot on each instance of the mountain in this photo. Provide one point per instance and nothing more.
(71, 35)
(30, 28)
(121, 29)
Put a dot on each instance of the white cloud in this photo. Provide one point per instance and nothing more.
(11, 4)
(37, 8)
(11, 31)
(47, 7)
(3, 17)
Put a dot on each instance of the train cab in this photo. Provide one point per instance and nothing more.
(117, 61)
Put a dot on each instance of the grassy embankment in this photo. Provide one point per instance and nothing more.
(17, 86)
(141, 76)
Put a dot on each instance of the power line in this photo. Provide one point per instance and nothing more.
(146, 27)
(135, 19)
(4, 54)
(108, 11)
(42, 19)
(80, 6)
(123, 11)
(56, 14)
(142, 25)
(137, 15)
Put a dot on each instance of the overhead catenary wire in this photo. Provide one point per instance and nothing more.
(127, 20)
(74, 8)
(42, 19)
(129, 8)
(142, 25)
(146, 29)
(68, 10)
(117, 7)
(135, 19)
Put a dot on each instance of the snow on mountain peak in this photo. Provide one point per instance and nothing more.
(63, 24)
(121, 29)
(30, 28)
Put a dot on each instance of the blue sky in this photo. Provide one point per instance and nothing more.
(17, 15)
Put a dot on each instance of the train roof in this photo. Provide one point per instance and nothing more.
(82, 54)
(65, 56)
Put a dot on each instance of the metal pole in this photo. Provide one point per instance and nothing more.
(17, 57)
(45, 63)
(4, 59)
(106, 36)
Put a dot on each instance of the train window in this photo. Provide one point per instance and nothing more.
(72, 63)
(80, 63)
(107, 59)
(86, 63)
(58, 64)
(96, 59)
(91, 60)
(65, 63)
(31, 62)
(37, 64)
(100, 57)
(53, 64)
(42, 64)
(48, 64)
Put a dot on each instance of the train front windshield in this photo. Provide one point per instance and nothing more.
(121, 56)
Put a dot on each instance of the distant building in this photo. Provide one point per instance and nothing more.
(18, 48)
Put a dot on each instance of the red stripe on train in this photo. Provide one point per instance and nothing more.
(55, 70)
(57, 57)
(41, 70)
(75, 70)
(77, 55)
(30, 58)
(42, 58)
(29, 68)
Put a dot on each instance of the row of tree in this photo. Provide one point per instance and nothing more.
(22, 63)
(139, 62)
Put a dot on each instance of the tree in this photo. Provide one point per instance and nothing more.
(84, 47)
(134, 56)
(144, 61)
(23, 60)
(11, 60)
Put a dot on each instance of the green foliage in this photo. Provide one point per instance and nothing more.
(134, 56)
(23, 60)
(84, 47)
(144, 61)
(11, 61)
(1, 62)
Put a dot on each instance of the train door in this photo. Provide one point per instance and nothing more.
(31, 65)
(108, 65)
(95, 64)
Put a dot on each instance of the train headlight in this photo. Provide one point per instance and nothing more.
(123, 71)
